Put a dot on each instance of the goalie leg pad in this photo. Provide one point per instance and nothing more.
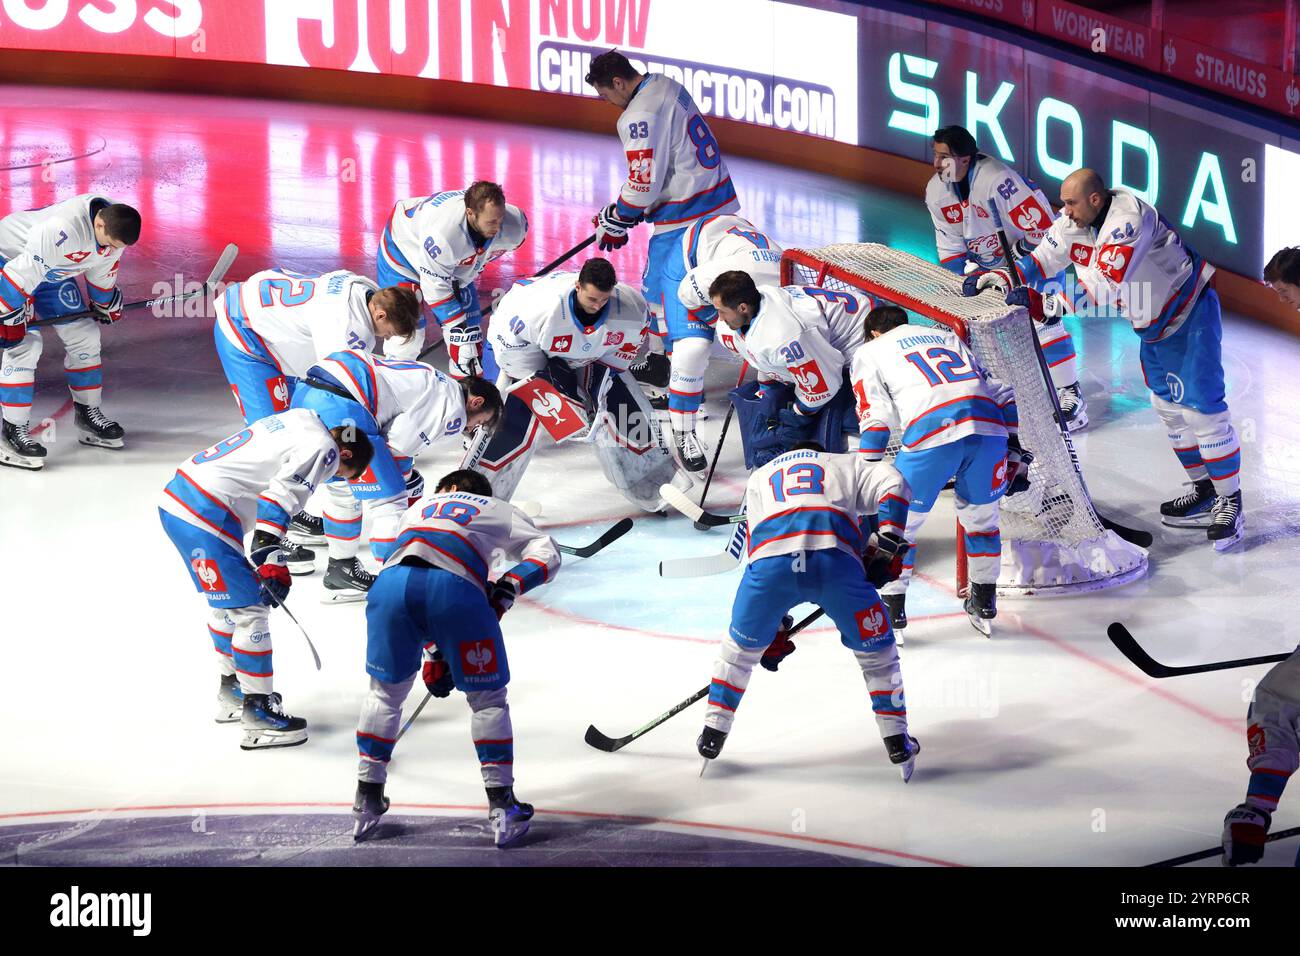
(686, 386)
(493, 735)
(381, 717)
(628, 442)
(756, 407)
(342, 516)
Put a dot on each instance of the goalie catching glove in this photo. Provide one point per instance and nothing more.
(883, 559)
(464, 344)
(611, 229)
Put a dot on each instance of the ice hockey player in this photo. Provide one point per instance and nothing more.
(438, 246)
(434, 590)
(1273, 736)
(578, 333)
(1283, 275)
(413, 406)
(954, 422)
(966, 184)
(252, 480)
(709, 247)
(1128, 259)
(676, 175)
(800, 340)
(274, 326)
(807, 510)
(42, 251)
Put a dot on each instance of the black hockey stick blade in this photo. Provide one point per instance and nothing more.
(1129, 647)
(594, 738)
(1142, 539)
(608, 538)
(1218, 850)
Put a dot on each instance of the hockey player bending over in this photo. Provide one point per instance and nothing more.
(799, 339)
(709, 248)
(954, 423)
(42, 251)
(1128, 259)
(1283, 275)
(577, 334)
(438, 246)
(413, 406)
(965, 185)
(1273, 735)
(434, 593)
(253, 480)
(806, 512)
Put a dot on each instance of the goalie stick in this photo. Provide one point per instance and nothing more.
(606, 539)
(1218, 850)
(224, 262)
(1129, 647)
(1142, 539)
(595, 738)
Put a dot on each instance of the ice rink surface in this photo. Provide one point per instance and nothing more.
(1041, 745)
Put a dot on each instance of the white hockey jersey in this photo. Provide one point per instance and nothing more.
(294, 321)
(462, 533)
(804, 336)
(255, 479)
(414, 404)
(719, 244)
(538, 319)
(675, 171)
(811, 500)
(1133, 262)
(428, 241)
(1273, 733)
(925, 383)
(52, 244)
(964, 229)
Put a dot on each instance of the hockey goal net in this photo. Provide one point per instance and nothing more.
(1052, 539)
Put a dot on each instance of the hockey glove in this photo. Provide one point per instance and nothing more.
(1244, 830)
(981, 279)
(13, 324)
(437, 676)
(1018, 462)
(463, 344)
(883, 560)
(414, 487)
(272, 574)
(781, 646)
(110, 312)
(611, 229)
(792, 427)
(1027, 298)
(502, 598)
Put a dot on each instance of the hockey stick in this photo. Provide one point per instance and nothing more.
(606, 539)
(1218, 850)
(484, 313)
(1129, 647)
(1142, 539)
(285, 608)
(704, 565)
(224, 262)
(407, 726)
(595, 738)
(717, 452)
(703, 519)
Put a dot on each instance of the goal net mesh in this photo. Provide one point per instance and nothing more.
(1051, 535)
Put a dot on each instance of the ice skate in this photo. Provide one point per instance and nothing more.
(267, 725)
(902, 750)
(689, 451)
(709, 744)
(367, 807)
(346, 581)
(654, 370)
(230, 700)
(93, 428)
(896, 607)
(1074, 407)
(982, 607)
(1227, 523)
(507, 816)
(298, 559)
(18, 450)
(306, 529)
(1190, 510)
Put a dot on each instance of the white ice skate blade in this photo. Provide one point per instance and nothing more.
(1226, 544)
(229, 715)
(506, 833)
(88, 439)
(305, 537)
(266, 739)
(1201, 521)
(905, 769)
(980, 624)
(15, 460)
(1078, 423)
(343, 596)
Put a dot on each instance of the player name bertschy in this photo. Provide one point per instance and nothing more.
(75, 909)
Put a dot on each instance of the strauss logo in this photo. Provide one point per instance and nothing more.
(548, 405)
(479, 656)
(1000, 473)
(872, 622)
(1029, 218)
(809, 378)
(281, 391)
(207, 574)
